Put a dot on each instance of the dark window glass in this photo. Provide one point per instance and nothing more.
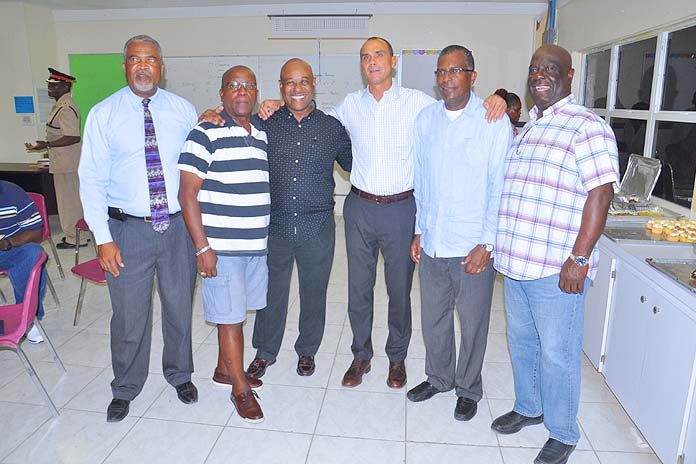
(675, 146)
(680, 76)
(630, 138)
(597, 79)
(636, 65)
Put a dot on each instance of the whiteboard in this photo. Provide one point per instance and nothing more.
(417, 70)
(197, 78)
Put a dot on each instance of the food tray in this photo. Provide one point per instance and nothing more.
(677, 269)
(639, 234)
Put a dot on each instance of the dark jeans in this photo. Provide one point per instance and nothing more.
(18, 262)
(314, 259)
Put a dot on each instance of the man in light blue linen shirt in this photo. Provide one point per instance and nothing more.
(128, 186)
(459, 169)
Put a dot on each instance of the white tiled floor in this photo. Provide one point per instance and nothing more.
(308, 419)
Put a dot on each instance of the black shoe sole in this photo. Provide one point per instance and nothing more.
(117, 416)
(526, 423)
(465, 417)
(418, 399)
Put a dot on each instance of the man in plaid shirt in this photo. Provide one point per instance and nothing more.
(558, 186)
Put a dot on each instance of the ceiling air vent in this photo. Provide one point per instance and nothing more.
(319, 26)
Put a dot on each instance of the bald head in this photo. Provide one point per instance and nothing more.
(550, 76)
(295, 64)
(240, 69)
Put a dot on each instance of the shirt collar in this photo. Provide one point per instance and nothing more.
(392, 93)
(467, 110)
(285, 112)
(553, 109)
(138, 100)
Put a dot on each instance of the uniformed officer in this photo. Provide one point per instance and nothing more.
(63, 144)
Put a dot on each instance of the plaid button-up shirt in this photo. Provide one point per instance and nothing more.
(555, 160)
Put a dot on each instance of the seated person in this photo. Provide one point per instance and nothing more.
(20, 235)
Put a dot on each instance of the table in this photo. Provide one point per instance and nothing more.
(32, 178)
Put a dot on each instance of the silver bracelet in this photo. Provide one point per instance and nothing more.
(202, 250)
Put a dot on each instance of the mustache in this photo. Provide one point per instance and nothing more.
(142, 72)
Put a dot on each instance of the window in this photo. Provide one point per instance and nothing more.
(646, 91)
(636, 66)
(597, 79)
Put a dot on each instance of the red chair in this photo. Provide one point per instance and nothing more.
(17, 318)
(80, 226)
(87, 271)
(40, 203)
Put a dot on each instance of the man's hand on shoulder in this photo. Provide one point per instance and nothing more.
(268, 107)
(495, 107)
(110, 258)
(212, 116)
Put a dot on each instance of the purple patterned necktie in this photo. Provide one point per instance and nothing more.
(159, 208)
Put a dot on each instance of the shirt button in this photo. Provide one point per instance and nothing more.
(294, 179)
(298, 143)
(297, 161)
(295, 214)
(294, 198)
(299, 125)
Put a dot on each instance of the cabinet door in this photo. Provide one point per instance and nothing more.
(626, 341)
(670, 348)
(690, 444)
(597, 304)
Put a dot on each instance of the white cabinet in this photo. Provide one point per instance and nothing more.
(650, 355)
(597, 304)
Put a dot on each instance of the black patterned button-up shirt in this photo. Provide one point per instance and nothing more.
(301, 158)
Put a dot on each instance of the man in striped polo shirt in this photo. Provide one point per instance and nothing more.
(226, 201)
(557, 190)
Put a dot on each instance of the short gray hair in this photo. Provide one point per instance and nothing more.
(141, 38)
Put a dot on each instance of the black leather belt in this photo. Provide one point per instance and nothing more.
(382, 199)
(119, 215)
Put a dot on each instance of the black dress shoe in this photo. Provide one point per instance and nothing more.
(65, 245)
(465, 409)
(305, 366)
(421, 392)
(187, 392)
(554, 452)
(513, 422)
(117, 410)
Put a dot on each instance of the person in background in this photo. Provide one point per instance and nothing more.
(129, 184)
(21, 230)
(63, 144)
(226, 201)
(514, 106)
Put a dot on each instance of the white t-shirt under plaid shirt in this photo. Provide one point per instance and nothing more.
(554, 162)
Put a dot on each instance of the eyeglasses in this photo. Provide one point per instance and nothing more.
(234, 86)
(451, 71)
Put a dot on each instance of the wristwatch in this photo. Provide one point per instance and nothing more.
(579, 260)
(488, 247)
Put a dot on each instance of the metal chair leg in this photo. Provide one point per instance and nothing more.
(37, 381)
(77, 246)
(2, 295)
(55, 256)
(81, 296)
(51, 348)
(52, 289)
(94, 243)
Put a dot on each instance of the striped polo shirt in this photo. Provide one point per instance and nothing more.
(235, 197)
(554, 162)
(17, 211)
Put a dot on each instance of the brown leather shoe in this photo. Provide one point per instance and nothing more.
(247, 407)
(258, 367)
(305, 366)
(354, 374)
(397, 375)
(225, 380)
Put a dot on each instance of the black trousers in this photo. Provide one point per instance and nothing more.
(371, 228)
(314, 258)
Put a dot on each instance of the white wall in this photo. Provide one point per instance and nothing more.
(27, 39)
(584, 24)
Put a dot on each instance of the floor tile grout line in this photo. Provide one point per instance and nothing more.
(137, 421)
(30, 435)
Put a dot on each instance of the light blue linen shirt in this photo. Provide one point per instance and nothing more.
(381, 133)
(459, 169)
(112, 165)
